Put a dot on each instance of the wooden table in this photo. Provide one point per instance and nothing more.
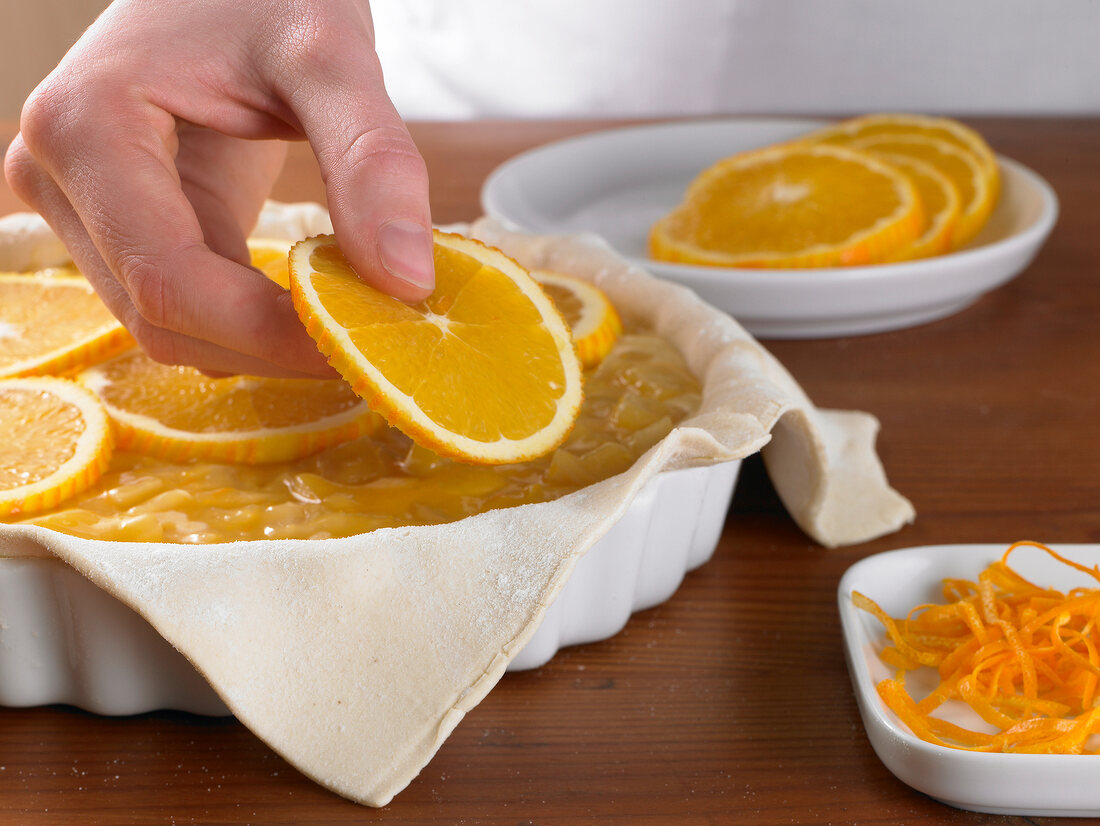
(730, 703)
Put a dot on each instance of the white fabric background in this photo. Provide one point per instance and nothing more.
(458, 59)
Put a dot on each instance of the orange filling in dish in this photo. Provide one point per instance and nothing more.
(632, 400)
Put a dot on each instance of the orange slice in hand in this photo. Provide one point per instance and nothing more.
(961, 168)
(54, 324)
(794, 205)
(483, 370)
(940, 199)
(177, 413)
(57, 442)
(590, 315)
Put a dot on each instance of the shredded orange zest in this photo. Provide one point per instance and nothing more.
(1026, 659)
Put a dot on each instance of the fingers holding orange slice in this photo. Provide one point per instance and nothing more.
(483, 370)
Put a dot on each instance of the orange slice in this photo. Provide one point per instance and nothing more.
(945, 129)
(269, 257)
(795, 205)
(57, 442)
(961, 168)
(483, 370)
(178, 414)
(54, 324)
(590, 315)
(940, 199)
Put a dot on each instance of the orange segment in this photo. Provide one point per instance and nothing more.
(483, 370)
(961, 168)
(960, 136)
(269, 257)
(795, 205)
(57, 442)
(940, 199)
(590, 315)
(53, 324)
(177, 414)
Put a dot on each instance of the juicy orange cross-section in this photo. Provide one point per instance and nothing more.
(483, 370)
(792, 205)
(940, 199)
(962, 169)
(591, 316)
(52, 324)
(950, 131)
(57, 442)
(178, 414)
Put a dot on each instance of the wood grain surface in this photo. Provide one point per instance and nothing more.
(730, 703)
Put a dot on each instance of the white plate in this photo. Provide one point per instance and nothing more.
(617, 183)
(1048, 785)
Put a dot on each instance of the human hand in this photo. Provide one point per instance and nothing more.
(150, 150)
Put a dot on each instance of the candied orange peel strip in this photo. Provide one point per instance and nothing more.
(1025, 658)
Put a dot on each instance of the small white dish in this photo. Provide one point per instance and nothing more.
(616, 183)
(1041, 785)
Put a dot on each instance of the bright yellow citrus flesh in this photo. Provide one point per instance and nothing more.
(976, 199)
(793, 205)
(483, 370)
(940, 199)
(591, 317)
(178, 414)
(269, 256)
(57, 442)
(53, 324)
(951, 131)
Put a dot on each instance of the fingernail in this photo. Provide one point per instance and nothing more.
(407, 251)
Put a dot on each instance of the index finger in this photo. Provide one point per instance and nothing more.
(375, 178)
(121, 180)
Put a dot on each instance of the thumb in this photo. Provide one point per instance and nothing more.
(375, 179)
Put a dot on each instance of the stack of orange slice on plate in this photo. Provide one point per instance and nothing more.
(869, 190)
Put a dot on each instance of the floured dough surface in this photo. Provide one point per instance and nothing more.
(355, 658)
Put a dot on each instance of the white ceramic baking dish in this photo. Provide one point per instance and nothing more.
(387, 639)
(63, 640)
